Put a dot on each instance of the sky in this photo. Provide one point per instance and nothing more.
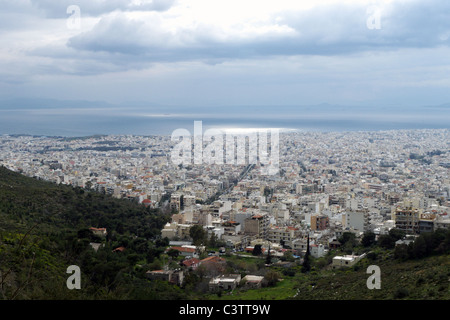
(215, 53)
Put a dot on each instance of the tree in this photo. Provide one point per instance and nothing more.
(401, 252)
(198, 234)
(368, 239)
(386, 241)
(257, 250)
(213, 240)
(306, 266)
(269, 257)
(396, 234)
(174, 253)
(271, 278)
(419, 248)
(347, 237)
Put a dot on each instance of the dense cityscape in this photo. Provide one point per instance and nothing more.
(327, 184)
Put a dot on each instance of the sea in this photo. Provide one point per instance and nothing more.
(122, 120)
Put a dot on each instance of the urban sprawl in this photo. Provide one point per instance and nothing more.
(328, 183)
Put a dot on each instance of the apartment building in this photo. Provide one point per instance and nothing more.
(357, 220)
(282, 234)
(320, 222)
(257, 225)
(407, 219)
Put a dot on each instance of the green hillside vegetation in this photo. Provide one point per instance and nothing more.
(418, 279)
(44, 228)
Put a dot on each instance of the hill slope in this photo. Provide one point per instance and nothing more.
(421, 279)
(44, 228)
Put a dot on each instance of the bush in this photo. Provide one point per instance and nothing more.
(372, 256)
(401, 293)
(368, 239)
(386, 241)
(271, 278)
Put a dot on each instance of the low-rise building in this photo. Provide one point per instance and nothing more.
(317, 250)
(99, 231)
(224, 282)
(172, 276)
(346, 261)
(252, 281)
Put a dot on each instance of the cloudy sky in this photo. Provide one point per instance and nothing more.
(216, 52)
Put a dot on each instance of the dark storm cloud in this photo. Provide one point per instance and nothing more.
(328, 30)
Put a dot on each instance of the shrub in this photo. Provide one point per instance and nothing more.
(401, 293)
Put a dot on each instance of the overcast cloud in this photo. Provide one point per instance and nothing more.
(210, 52)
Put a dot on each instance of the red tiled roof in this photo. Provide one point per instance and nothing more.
(191, 262)
(97, 229)
(212, 258)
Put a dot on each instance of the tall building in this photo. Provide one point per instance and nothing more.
(257, 225)
(407, 219)
(319, 222)
(357, 220)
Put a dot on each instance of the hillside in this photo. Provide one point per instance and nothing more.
(423, 279)
(44, 228)
(416, 279)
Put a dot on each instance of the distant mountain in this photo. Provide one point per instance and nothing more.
(39, 103)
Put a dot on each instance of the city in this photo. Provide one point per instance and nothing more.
(328, 184)
(273, 153)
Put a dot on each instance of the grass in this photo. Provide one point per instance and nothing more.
(283, 290)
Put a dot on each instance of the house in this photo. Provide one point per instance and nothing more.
(147, 202)
(346, 261)
(213, 265)
(335, 244)
(406, 240)
(99, 231)
(212, 259)
(96, 245)
(119, 249)
(191, 264)
(317, 250)
(253, 282)
(186, 251)
(224, 282)
(172, 276)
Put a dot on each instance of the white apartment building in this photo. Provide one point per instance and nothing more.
(357, 220)
(286, 234)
